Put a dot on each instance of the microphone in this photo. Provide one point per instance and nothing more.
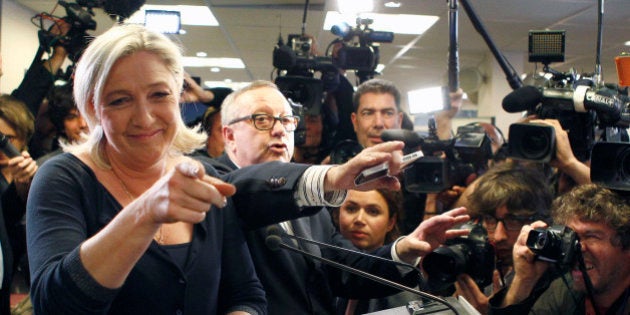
(606, 102)
(274, 242)
(275, 230)
(7, 148)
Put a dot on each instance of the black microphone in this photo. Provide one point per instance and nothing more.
(7, 148)
(410, 138)
(124, 8)
(274, 242)
(604, 101)
(275, 230)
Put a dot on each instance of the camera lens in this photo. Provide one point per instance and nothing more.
(624, 160)
(541, 241)
(536, 146)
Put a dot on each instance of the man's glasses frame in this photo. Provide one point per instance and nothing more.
(265, 122)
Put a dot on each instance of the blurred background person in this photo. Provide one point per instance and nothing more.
(17, 126)
(70, 127)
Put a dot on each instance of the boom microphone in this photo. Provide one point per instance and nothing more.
(122, 8)
(274, 242)
(607, 103)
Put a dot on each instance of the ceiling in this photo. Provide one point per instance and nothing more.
(249, 30)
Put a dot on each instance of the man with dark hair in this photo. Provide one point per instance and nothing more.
(601, 219)
(504, 199)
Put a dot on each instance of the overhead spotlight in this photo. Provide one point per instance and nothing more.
(167, 22)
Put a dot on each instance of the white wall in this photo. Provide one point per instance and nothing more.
(18, 43)
(496, 87)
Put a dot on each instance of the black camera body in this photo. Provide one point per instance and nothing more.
(557, 244)
(610, 165)
(468, 153)
(471, 254)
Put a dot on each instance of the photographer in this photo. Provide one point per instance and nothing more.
(601, 219)
(503, 199)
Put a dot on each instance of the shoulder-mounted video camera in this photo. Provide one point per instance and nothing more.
(578, 101)
(297, 65)
(80, 15)
(472, 254)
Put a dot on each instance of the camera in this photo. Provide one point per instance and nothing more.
(610, 165)
(533, 142)
(300, 131)
(297, 66)
(467, 153)
(556, 244)
(471, 254)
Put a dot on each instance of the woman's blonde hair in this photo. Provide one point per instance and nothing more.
(93, 70)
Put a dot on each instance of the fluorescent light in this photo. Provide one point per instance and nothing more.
(426, 100)
(215, 69)
(354, 6)
(230, 63)
(392, 4)
(627, 43)
(379, 68)
(190, 14)
(167, 22)
(201, 54)
(397, 23)
(233, 85)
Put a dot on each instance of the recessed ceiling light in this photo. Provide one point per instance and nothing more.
(196, 62)
(191, 14)
(215, 69)
(397, 23)
(627, 43)
(201, 54)
(392, 4)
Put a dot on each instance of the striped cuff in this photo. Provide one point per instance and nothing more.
(310, 189)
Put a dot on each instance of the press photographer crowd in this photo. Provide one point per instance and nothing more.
(129, 187)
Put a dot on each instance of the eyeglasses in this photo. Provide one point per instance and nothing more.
(267, 122)
(510, 222)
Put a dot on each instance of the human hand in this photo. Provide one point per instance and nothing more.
(185, 194)
(193, 92)
(431, 233)
(341, 177)
(527, 269)
(466, 287)
(22, 168)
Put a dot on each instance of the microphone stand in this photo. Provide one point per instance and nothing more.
(351, 251)
(512, 77)
(274, 242)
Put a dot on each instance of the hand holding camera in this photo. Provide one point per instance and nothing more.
(528, 270)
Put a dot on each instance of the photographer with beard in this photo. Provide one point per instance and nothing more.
(601, 219)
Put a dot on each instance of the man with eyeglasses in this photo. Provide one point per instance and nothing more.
(258, 127)
(503, 200)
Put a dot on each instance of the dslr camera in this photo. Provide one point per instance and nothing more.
(468, 153)
(471, 254)
(557, 244)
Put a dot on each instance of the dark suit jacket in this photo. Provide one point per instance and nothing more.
(295, 284)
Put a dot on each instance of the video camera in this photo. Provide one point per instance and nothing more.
(610, 165)
(80, 15)
(472, 254)
(578, 101)
(556, 244)
(467, 153)
(297, 65)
